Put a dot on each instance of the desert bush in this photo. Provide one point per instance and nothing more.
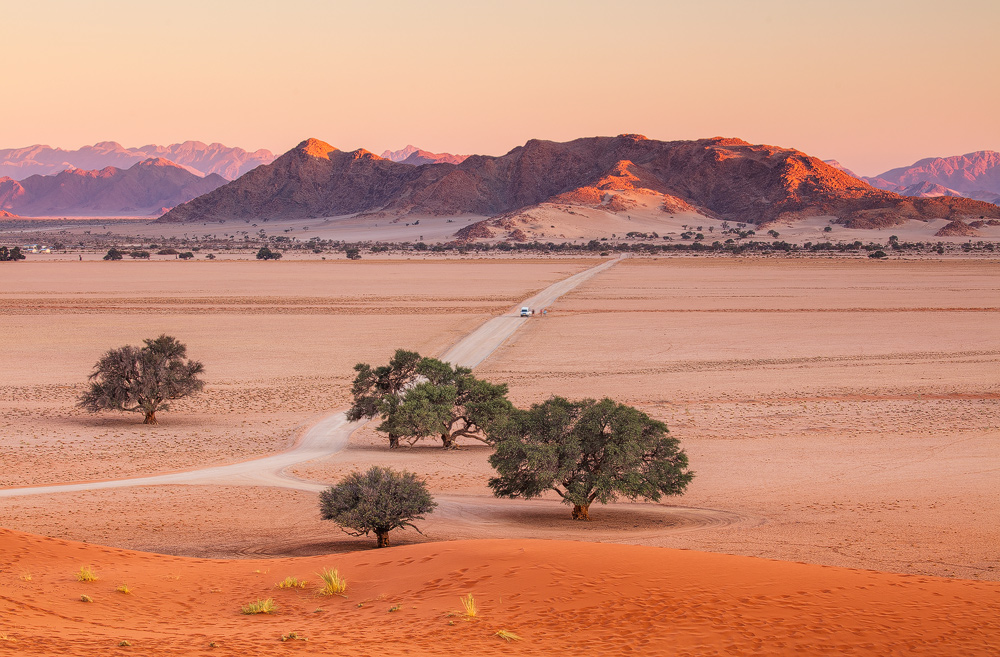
(113, 254)
(265, 253)
(86, 574)
(187, 255)
(376, 501)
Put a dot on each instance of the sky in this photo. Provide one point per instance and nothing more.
(874, 84)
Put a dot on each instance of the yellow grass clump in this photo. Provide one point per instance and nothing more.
(260, 607)
(333, 583)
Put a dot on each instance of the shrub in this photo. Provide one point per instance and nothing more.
(353, 254)
(113, 254)
(139, 254)
(167, 252)
(187, 255)
(376, 501)
(877, 254)
(265, 253)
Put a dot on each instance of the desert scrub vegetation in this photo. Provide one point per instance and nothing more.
(507, 635)
(86, 574)
(291, 583)
(123, 588)
(333, 583)
(293, 636)
(86, 598)
(470, 609)
(376, 501)
(259, 607)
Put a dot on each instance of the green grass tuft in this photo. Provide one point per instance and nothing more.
(260, 607)
(333, 583)
(86, 574)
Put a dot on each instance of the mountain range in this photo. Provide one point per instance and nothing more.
(149, 187)
(200, 158)
(973, 175)
(413, 155)
(723, 178)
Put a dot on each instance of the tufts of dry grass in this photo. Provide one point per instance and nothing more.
(86, 574)
(507, 635)
(291, 583)
(333, 583)
(259, 607)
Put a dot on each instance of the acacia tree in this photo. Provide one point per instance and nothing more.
(586, 451)
(376, 501)
(142, 379)
(424, 397)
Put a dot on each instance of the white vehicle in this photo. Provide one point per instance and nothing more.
(525, 312)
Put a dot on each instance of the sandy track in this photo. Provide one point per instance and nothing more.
(330, 434)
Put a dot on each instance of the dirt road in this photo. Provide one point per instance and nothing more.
(329, 435)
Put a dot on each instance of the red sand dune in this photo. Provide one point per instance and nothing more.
(559, 597)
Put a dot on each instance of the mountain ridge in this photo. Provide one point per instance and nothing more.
(145, 188)
(720, 177)
(198, 157)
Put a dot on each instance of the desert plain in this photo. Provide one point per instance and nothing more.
(841, 416)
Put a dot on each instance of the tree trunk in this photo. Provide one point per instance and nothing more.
(382, 538)
(393, 441)
(447, 441)
(581, 512)
(150, 417)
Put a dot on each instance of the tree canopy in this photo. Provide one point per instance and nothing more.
(425, 397)
(11, 255)
(142, 379)
(586, 451)
(376, 501)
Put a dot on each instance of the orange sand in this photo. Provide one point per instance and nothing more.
(559, 597)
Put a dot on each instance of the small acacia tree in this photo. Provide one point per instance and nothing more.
(586, 451)
(376, 501)
(142, 379)
(425, 397)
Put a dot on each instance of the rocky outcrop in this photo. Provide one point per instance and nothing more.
(142, 189)
(957, 228)
(724, 178)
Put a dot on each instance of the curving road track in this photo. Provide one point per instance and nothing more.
(329, 435)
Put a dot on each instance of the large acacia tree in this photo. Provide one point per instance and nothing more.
(142, 379)
(425, 397)
(586, 451)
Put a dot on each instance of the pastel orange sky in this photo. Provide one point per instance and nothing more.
(874, 84)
